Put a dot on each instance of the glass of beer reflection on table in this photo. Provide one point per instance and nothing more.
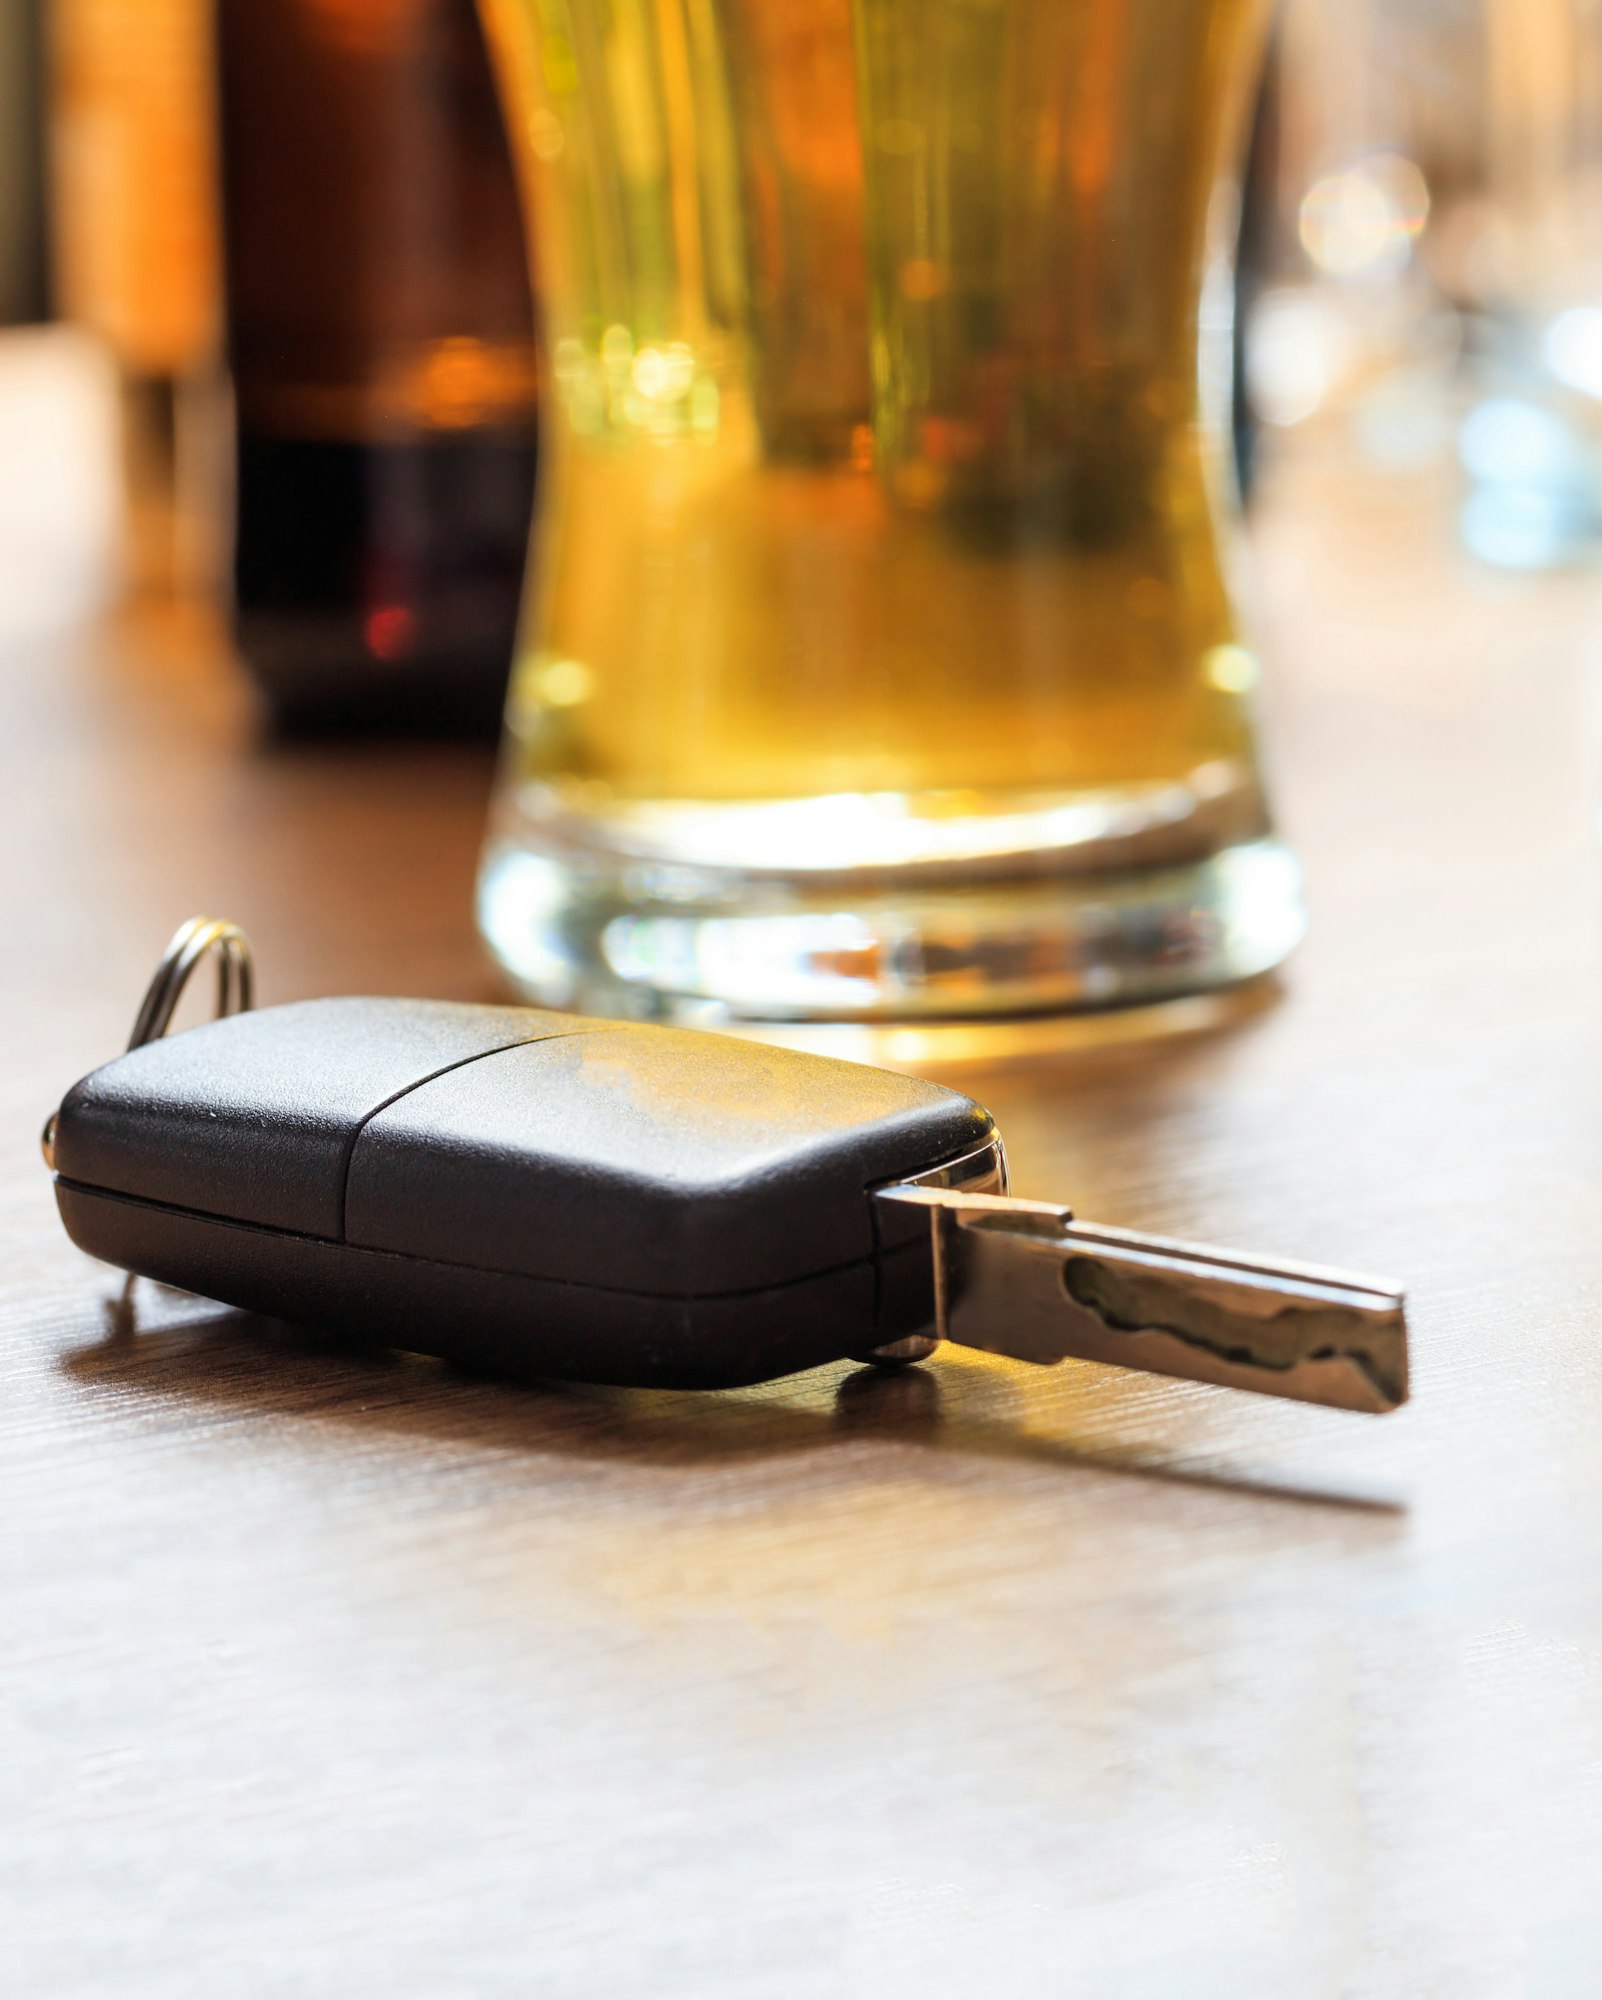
(878, 659)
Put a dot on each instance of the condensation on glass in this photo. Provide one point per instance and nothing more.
(880, 659)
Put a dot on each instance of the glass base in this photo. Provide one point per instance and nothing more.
(634, 934)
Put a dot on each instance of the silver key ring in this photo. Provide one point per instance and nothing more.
(191, 942)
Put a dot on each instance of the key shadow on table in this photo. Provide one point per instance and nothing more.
(1076, 1418)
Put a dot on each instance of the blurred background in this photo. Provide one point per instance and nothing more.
(1423, 271)
(267, 352)
(269, 344)
(272, 339)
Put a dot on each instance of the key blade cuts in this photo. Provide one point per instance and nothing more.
(1025, 1280)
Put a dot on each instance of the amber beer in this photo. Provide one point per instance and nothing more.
(880, 574)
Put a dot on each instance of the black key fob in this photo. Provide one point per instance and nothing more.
(554, 1196)
(538, 1193)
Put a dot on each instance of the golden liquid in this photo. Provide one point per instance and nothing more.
(883, 461)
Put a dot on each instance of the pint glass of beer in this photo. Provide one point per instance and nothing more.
(878, 659)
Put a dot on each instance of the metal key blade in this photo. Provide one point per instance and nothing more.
(1025, 1279)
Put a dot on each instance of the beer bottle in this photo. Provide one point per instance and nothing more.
(381, 344)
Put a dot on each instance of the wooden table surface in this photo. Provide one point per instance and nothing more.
(323, 1675)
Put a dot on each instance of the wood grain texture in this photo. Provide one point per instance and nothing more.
(330, 1676)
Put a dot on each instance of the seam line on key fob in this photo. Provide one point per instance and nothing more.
(450, 1263)
(417, 1083)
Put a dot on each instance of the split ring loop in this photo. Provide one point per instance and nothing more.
(190, 944)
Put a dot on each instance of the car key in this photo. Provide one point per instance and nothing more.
(558, 1196)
